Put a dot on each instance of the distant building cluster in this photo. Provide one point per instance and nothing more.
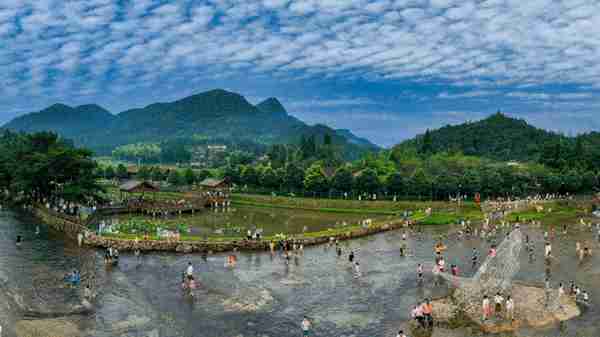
(207, 155)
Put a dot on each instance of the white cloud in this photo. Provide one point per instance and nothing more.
(483, 46)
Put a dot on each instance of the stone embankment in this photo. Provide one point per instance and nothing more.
(72, 227)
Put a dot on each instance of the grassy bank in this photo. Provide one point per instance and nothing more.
(557, 213)
(382, 207)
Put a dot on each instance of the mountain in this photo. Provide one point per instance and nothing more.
(215, 114)
(497, 137)
(353, 139)
(80, 123)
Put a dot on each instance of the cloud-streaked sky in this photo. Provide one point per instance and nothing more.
(384, 69)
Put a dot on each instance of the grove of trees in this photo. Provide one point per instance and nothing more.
(43, 167)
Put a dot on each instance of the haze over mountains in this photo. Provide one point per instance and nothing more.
(215, 114)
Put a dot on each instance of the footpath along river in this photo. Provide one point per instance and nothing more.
(261, 296)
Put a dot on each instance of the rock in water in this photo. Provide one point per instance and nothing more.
(47, 328)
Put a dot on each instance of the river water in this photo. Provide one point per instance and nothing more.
(262, 296)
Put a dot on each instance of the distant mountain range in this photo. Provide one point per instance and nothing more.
(216, 114)
(498, 137)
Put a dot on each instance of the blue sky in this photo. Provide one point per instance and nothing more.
(385, 69)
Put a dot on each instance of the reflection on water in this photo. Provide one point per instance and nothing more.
(263, 296)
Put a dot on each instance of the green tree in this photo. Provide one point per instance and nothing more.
(269, 178)
(367, 181)
(109, 172)
(250, 176)
(231, 173)
(396, 184)
(175, 178)
(421, 183)
(315, 180)
(157, 174)
(343, 180)
(144, 173)
(122, 172)
(189, 176)
(426, 143)
(294, 177)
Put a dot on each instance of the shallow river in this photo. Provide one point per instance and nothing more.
(261, 296)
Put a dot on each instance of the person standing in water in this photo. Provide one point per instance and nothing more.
(306, 325)
(403, 247)
(357, 269)
(547, 250)
(420, 273)
(189, 271)
(351, 256)
(400, 334)
(510, 309)
(474, 257)
(485, 306)
(18, 242)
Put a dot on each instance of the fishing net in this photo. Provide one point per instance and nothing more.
(495, 274)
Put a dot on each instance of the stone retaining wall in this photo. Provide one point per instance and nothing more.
(71, 227)
(241, 245)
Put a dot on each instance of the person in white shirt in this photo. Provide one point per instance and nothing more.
(561, 293)
(498, 300)
(400, 334)
(417, 314)
(357, 269)
(510, 308)
(548, 249)
(306, 327)
(190, 270)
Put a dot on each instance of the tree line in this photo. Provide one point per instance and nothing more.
(42, 167)
(440, 177)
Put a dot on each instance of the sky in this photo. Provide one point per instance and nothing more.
(385, 69)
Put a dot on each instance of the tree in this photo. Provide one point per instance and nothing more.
(421, 183)
(315, 180)
(122, 172)
(144, 173)
(250, 176)
(189, 177)
(157, 174)
(367, 181)
(470, 182)
(109, 172)
(231, 173)
(42, 167)
(294, 177)
(426, 143)
(269, 178)
(343, 180)
(175, 178)
(396, 184)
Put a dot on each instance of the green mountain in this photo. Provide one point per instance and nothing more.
(503, 138)
(497, 137)
(353, 139)
(80, 123)
(215, 114)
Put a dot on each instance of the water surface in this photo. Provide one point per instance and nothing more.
(262, 296)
